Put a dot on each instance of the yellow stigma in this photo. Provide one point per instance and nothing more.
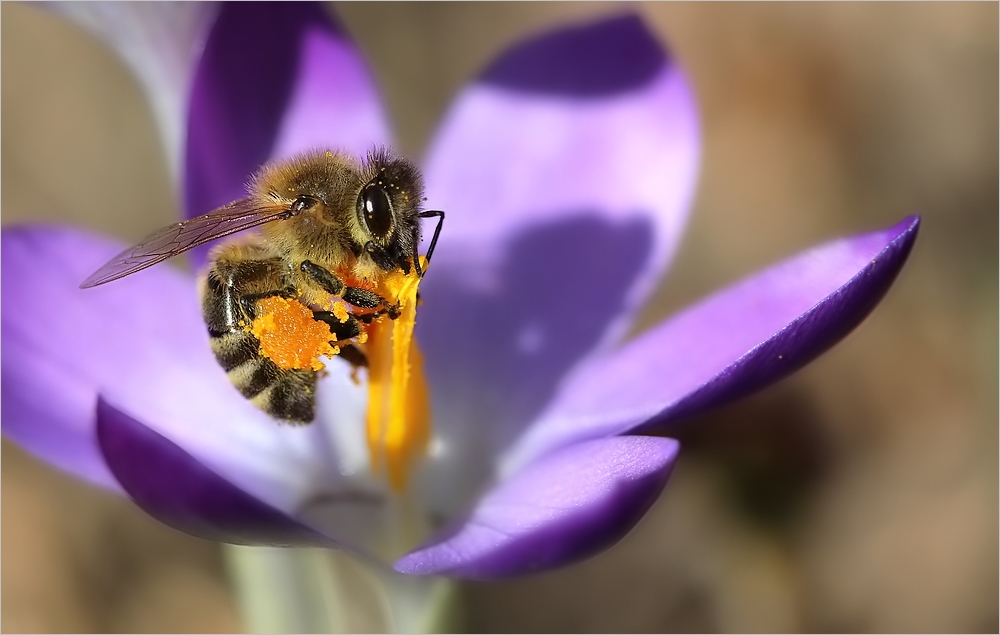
(398, 421)
(398, 408)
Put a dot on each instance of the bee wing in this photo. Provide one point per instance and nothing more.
(180, 237)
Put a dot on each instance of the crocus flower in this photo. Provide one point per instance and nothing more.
(566, 169)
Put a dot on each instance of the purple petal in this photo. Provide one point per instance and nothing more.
(733, 343)
(566, 507)
(275, 79)
(178, 490)
(60, 344)
(555, 191)
(140, 342)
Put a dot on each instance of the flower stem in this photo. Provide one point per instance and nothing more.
(286, 590)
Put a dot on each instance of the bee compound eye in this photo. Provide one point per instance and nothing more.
(376, 211)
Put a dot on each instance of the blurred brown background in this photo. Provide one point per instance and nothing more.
(860, 495)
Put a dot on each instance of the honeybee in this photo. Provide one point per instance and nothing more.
(331, 227)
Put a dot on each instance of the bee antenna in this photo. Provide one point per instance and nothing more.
(434, 239)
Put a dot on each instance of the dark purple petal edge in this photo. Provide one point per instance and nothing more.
(805, 338)
(594, 60)
(176, 489)
(590, 496)
(738, 340)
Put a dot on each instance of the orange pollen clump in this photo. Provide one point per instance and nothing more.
(340, 311)
(290, 336)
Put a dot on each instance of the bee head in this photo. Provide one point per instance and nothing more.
(387, 210)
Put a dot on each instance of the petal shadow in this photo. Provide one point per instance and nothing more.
(495, 350)
(595, 118)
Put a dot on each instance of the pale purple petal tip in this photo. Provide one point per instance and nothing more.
(727, 346)
(605, 58)
(176, 489)
(62, 344)
(568, 506)
(553, 189)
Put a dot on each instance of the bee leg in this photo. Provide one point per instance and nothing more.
(249, 300)
(355, 296)
(393, 311)
(354, 356)
(344, 331)
(341, 330)
(233, 288)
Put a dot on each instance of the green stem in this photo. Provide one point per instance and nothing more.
(285, 590)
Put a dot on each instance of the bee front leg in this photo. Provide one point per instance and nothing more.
(354, 356)
(355, 296)
(344, 331)
(341, 330)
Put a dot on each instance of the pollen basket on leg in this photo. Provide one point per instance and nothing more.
(289, 336)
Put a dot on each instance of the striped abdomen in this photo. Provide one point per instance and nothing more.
(233, 287)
